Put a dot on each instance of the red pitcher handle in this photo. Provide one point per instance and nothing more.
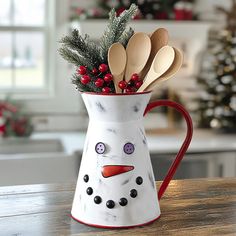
(184, 146)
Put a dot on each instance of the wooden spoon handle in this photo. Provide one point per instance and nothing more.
(145, 83)
(154, 84)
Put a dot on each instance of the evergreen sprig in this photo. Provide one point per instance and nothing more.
(115, 31)
(73, 57)
(77, 45)
(79, 50)
(124, 39)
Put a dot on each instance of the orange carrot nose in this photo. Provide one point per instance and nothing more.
(111, 170)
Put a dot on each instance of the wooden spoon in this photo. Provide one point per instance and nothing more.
(161, 63)
(117, 62)
(176, 65)
(138, 50)
(159, 38)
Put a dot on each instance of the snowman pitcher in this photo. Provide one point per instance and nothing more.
(116, 186)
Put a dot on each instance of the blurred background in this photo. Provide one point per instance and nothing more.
(42, 117)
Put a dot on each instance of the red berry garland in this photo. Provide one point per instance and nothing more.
(138, 84)
(85, 79)
(106, 90)
(122, 84)
(108, 77)
(82, 70)
(129, 90)
(94, 75)
(103, 68)
(94, 71)
(134, 77)
(99, 82)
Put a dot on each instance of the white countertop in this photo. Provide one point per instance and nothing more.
(203, 141)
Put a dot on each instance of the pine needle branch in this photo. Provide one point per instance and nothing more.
(124, 38)
(82, 46)
(115, 29)
(73, 58)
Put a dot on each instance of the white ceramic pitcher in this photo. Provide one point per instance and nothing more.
(116, 186)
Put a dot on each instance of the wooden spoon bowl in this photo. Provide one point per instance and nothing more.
(174, 68)
(117, 62)
(161, 63)
(159, 38)
(138, 51)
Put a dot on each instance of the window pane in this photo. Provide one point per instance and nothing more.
(5, 12)
(29, 12)
(29, 57)
(5, 60)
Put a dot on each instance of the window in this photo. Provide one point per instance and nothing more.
(23, 49)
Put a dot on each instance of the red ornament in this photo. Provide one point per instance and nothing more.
(85, 79)
(82, 70)
(94, 71)
(135, 77)
(103, 68)
(99, 82)
(108, 77)
(106, 90)
(138, 84)
(122, 84)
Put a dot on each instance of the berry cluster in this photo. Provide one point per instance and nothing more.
(132, 86)
(102, 77)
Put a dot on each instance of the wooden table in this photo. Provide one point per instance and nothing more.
(189, 207)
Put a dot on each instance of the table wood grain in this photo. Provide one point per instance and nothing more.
(189, 207)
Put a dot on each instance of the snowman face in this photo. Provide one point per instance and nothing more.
(117, 164)
(114, 173)
(112, 170)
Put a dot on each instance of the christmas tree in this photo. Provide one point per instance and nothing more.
(217, 105)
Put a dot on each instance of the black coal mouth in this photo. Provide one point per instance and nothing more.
(133, 193)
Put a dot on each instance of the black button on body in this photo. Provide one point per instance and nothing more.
(89, 191)
(110, 204)
(123, 201)
(139, 180)
(97, 199)
(133, 193)
(86, 178)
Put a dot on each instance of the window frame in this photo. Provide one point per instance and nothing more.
(48, 30)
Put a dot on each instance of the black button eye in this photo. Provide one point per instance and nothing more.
(100, 148)
(128, 148)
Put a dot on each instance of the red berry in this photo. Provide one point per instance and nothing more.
(122, 84)
(82, 70)
(135, 77)
(106, 90)
(138, 84)
(94, 71)
(108, 77)
(99, 82)
(85, 79)
(103, 68)
(129, 90)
